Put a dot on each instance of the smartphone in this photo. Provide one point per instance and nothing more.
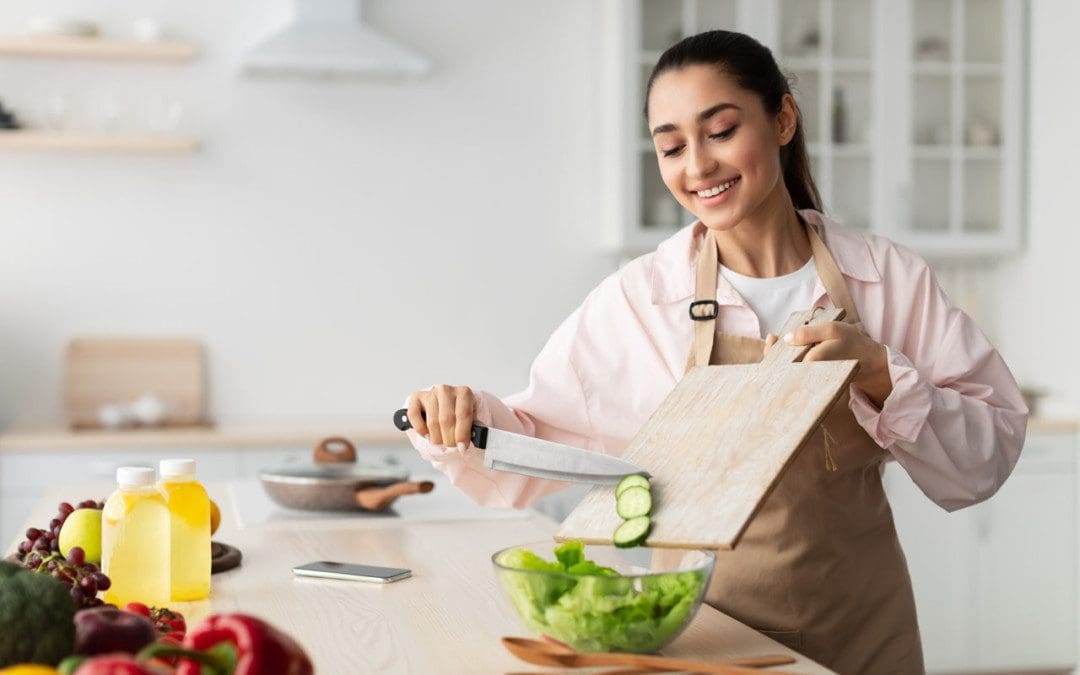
(351, 571)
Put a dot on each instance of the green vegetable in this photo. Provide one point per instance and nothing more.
(633, 502)
(36, 617)
(632, 532)
(594, 608)
(633, 480)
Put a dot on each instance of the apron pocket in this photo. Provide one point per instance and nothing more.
(791, 639)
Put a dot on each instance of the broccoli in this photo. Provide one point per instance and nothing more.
(37, 617)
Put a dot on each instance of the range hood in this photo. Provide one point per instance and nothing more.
(328, 40)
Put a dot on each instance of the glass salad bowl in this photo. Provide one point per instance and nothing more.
(602, 598)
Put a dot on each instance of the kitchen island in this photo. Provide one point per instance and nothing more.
(447, 618)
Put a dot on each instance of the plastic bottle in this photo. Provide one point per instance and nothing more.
(189, 525)
(135, 540)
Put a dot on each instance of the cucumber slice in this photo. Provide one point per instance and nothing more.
(633, 502)
(630, 481)
(632, 532)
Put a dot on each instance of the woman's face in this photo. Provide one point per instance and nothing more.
(717, 147)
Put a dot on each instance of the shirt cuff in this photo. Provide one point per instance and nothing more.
(905, 410)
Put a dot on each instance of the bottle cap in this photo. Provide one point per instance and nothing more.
(173, 468)
(134, 476)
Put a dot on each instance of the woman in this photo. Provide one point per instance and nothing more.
(819, 567)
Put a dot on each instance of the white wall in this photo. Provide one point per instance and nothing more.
(335, 245)
(1035, 295)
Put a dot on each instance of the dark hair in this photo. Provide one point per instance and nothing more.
(753, 67)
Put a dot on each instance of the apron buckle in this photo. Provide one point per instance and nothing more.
(714, 305)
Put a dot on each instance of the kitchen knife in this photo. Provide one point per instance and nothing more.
(506, 451)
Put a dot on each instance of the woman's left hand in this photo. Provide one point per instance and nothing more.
(836, 340)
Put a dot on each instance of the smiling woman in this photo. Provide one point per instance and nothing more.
(729, 138)
(819, 566)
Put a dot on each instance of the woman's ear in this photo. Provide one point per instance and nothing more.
(787, 120)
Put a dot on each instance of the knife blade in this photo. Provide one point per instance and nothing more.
(507, 451)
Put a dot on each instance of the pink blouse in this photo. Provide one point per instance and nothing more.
(955, 419)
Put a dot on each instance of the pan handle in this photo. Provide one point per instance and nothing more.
(334, 450)
(478, 435)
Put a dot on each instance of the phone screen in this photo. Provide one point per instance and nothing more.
(340, 570)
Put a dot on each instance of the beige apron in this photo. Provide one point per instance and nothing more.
(820, 568)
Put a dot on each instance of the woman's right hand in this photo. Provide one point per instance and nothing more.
(449, 412)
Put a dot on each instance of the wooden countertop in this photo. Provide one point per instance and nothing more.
(366, 431)
(447, 618)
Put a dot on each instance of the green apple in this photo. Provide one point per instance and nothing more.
(82, 528)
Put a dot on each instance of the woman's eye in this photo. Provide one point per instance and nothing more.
(724, 134)
(671, 151)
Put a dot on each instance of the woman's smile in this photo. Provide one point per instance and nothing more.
(715, 193)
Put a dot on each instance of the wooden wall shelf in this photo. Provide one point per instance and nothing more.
(76, 142)
(96, 48)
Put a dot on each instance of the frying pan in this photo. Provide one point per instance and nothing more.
(334, 481)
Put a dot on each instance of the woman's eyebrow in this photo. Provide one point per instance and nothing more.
(702, 116)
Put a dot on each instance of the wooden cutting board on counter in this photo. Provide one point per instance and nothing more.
(109, 370)
(719, 443)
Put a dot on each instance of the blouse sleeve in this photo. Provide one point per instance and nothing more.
(955, 419)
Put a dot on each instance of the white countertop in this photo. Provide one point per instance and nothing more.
(447, 618)
(369, 431)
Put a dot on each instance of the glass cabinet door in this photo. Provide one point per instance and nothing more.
(912, 111)
(662, 24)
(824, 46)
(964, 61)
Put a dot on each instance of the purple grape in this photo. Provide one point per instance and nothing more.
(33, 533)
(103, 582)
(100, 505)
(41, 544)
(79, 595)
(54, 546)
(87, 504)
(25, 547)
(89, 585)
(65, 508)
(76, 556)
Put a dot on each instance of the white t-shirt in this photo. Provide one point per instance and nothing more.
(774, 299)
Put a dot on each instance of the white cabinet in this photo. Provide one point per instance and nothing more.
(913, 111)
(995, 584)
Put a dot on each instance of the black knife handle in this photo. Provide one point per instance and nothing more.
(478, 434)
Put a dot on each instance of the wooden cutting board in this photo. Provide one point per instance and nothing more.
(102, 370)
(719, 443)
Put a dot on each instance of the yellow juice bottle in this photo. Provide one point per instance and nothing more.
(189, 525)
(135, 540)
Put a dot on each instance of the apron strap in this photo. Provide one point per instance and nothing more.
(831, 278)
(704, 308)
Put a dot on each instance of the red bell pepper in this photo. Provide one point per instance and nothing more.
(260, 648)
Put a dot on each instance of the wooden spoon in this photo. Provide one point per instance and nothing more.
(547, 654)
(378, 498)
